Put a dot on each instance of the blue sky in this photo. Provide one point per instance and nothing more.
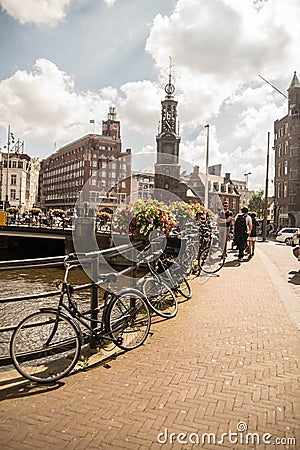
(64, 62)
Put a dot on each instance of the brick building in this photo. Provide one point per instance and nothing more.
(93, 168)
(287, 161)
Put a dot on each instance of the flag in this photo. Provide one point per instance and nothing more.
(92, 120)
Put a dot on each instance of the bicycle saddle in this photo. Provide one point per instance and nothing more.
(108, 278)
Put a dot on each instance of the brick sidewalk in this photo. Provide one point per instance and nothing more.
(230, 356)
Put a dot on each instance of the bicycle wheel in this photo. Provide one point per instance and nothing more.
(45, 346)
(185, 289)
(128, 319)
(211, 259)
(160, 297)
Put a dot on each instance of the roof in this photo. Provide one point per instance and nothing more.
(295, 82)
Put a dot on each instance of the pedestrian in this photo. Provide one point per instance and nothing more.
(242, 229)
(224, 221)
(253, 234)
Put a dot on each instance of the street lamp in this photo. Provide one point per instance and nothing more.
(206, 166)
(246, 175)
(10, 140)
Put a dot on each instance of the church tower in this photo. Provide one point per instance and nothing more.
(167, 167)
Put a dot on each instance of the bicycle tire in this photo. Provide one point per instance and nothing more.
(160, 297)
(43, 362)
(185, 289)
(211, 259)
(128, 319)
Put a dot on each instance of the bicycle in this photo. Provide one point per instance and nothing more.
(160, 297)
(46, 345)
(169, 273)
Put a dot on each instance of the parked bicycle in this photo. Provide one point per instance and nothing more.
(47, 344)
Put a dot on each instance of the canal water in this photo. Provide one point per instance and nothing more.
(17, 283)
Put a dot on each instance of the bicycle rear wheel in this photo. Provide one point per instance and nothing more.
(211, 259)
(45, 346)
(128, 319)
(185, 289)
(160, 297)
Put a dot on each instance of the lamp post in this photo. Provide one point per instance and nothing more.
(246, 175)
(266, 192)
(10, 140)
(206, 166)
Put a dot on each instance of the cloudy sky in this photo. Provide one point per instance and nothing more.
(64, 62)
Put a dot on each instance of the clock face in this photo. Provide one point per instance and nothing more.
(169, 89)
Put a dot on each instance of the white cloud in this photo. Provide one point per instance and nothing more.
(40, 12)
(44, 104)
(140, 109)
(218, 47)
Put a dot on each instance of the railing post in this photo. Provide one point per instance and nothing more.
(94, 298)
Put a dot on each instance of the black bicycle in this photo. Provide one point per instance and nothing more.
(47, 344)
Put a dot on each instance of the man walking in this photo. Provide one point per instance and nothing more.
(242, 229)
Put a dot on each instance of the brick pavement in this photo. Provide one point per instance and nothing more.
(230, 356)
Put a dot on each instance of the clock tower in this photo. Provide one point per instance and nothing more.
(167, 167)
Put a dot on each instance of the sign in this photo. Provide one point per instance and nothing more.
(2, 218)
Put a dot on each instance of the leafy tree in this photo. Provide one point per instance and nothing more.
(256, 203)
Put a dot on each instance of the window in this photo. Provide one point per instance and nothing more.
(294, 150)
(13, 179)
(279, 172)
(286, 146)
(293, 173)
(285, 191)
(285, 167)
(13, 194)
(279, 150)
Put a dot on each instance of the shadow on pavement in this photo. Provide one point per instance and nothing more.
(234, 263)
(295, 279)
(27, 389)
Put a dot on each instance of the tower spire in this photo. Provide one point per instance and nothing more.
(295, 82)
(170, 88)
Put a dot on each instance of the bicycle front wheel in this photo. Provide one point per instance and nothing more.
(161, 298)
(128, 319)
(211, 259)
(45, 346)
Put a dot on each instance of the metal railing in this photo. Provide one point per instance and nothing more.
(92, 257)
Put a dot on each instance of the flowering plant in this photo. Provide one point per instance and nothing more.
(34, 211)
(197, 208)
(143, 216)
(182, 211)
(12, 209)
(58, 212)
(103, 215)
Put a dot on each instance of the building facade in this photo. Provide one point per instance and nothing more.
(19, 176)
(287, 161)
(142, 185)
(92, 170)
(220, 188)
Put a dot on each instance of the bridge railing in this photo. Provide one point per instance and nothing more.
(101, 226)
(92, 257)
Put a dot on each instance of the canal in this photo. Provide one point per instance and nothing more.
(16, 283)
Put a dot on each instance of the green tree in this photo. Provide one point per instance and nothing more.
(256, 203)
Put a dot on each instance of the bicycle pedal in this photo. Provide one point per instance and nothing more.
(119, 340)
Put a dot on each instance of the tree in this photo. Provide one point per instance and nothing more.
(256, 203)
